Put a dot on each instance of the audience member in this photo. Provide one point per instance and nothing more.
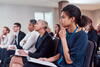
(74, 41)
(92, 33)
(57, 29)
(98, 41)
(4, 36)
(49, 31)
(28, 43)
(17, 35)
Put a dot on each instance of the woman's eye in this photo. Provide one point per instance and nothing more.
(62, 17)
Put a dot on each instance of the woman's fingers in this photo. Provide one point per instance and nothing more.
(62, 33)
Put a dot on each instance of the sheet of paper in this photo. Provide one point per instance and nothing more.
(41, 62)
(9, 46)
(16, 52)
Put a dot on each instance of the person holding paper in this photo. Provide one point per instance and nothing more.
(73, 42)
(16, 36)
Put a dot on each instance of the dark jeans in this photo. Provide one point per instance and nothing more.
(6, 57)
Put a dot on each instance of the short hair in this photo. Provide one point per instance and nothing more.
(45, 23)
(18, 24)
(7, 29)
(33, 21)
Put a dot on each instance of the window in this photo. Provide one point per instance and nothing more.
(47, 16)
(39, 15)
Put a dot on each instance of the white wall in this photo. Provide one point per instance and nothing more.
(84, 12)
(10, 14)
(87, 13)
(96, 16)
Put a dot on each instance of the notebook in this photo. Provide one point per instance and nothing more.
(41, 62)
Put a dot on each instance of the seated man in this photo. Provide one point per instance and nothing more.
(4, 39)
(44, 46)
(4, 36)
(28, 43)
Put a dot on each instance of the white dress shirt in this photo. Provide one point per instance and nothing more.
(11, 39)
(28, 43)
(4, 39)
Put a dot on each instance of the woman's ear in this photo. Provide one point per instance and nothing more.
(72, 19)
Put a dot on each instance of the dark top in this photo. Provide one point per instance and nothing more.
(21, 35)
(51, 33)
(92, 35)
(45, 47)
(77, 46)
(98, 41)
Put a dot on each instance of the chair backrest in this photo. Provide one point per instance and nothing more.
(55, 41)
(89, 53)
(98, 41)
(94, 54)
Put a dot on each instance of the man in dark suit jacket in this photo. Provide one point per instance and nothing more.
(17, 35)
(44, 46)
(21, 35)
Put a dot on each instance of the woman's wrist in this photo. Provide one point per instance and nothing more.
(63, 38)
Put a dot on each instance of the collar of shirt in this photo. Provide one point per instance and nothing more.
(4, 36)
(16, 33)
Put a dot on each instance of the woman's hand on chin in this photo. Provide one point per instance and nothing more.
(62, 33)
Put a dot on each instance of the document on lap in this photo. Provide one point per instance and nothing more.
(12, 46)
(19, 54)
(41, 62)
(16, 52)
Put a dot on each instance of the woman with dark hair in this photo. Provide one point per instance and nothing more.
(57, 29)
(73, 40)
(92, 33)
